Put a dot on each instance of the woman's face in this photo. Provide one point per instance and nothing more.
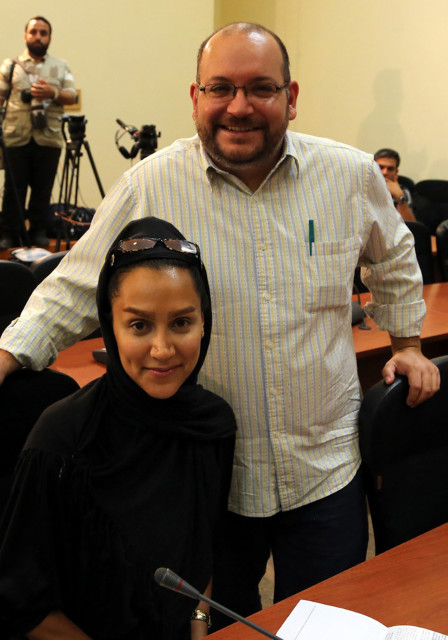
(158, 326)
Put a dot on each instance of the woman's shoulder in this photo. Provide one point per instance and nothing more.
(61, 425)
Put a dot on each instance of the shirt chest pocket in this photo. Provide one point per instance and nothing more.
(329, 272)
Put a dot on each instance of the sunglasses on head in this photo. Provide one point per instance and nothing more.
(132, 245)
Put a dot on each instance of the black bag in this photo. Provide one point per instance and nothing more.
(74, 222)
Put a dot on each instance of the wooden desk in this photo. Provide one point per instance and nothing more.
(373, 347)
(78, 362)
(406, 585)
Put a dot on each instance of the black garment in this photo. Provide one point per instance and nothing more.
(32, 166)
(111, 485)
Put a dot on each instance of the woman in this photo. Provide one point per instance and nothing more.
(131, 472)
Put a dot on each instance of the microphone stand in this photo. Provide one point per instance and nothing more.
(168, 579)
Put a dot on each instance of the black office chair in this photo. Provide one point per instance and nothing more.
(430, 202)
(17, 283)
(23, 397)
(44, 266)
(407, 183)
(405, 459)
(423, 250)
(442, 249)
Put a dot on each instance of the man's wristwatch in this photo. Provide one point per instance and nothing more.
(401, 200)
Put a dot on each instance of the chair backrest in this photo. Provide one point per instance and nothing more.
(17, 283)
(405, 459)
(406, 182)
(430, 202)
(442, 248)
(423, 250)
(42, 267)
(23, 397)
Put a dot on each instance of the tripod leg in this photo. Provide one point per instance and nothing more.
(95, 172)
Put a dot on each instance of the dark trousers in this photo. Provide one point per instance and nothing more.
(308, 545)
(31, 166)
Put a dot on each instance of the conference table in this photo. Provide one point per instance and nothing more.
(407, 585)
(372, 346)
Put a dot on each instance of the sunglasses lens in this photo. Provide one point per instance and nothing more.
(183, 246)
(136, 244)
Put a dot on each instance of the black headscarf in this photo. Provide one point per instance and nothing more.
(192, 411)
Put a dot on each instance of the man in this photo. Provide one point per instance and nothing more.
(389, 161)
(35, 86)
(282, 220)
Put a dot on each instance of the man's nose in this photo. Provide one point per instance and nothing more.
(240, 105)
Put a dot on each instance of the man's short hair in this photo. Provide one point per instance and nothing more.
(247, 27)
(388, 153)
(38, 18)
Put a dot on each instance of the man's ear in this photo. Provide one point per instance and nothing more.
(194, 92)
(292, 99)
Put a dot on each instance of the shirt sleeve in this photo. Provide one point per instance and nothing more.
(68, 81)
(62, 309)
(5, 71)
(390, 268)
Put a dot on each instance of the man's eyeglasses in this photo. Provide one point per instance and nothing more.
(255, 91)
(132, 245)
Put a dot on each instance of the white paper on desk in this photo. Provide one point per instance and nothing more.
(315, 621)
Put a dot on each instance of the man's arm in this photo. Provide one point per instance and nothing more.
(8, 364)
(44, 91)
(408, 359)
(399, 199)
(395, 281)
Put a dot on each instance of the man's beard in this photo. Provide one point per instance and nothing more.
(37, 49)
(269, 147)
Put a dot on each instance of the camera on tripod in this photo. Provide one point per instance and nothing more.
(145, 140)
(76, 127)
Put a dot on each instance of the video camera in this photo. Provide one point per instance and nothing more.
(76, 127)
(145, 140)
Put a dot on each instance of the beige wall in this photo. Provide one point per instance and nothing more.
(371, 74)
(133, 60)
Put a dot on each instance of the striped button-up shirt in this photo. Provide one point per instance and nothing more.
(281, 351)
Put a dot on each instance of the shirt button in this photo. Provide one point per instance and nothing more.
(262, 247)
(269, 345)
(267, 296)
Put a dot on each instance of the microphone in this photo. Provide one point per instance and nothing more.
(133, 131)
(359, 311)
(168, 579)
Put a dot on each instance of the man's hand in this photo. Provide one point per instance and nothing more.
(42, 91)
(8, 364)
(423, 376)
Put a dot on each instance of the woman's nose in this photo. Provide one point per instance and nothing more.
(161, 346)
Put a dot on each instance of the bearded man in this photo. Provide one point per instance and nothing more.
(33, 89)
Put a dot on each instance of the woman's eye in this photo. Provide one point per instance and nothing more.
(182, 323)
(138, 326)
